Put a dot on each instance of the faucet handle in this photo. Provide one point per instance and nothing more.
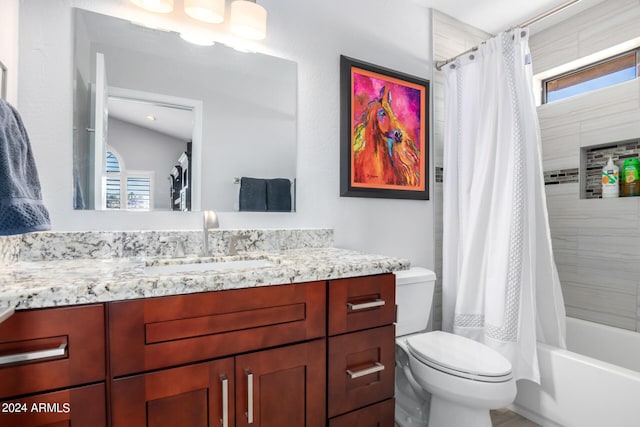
(233, 250)
(179, 241)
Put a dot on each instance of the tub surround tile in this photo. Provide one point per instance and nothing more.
(38, 284)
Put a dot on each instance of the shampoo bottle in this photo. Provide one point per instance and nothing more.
(631, 177)
(610, 182)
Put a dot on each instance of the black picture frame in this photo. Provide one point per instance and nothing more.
(402, 179)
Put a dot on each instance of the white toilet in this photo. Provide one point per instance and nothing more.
(442, 380)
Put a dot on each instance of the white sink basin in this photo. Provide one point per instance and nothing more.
(208, 266)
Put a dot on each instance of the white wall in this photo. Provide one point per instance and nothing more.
(393, 34)
(8, 46)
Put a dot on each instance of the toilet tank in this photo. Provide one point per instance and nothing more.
(414, 297)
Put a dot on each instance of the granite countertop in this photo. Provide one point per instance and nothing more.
(36, 284)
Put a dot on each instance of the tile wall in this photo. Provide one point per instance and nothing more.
(596, 242)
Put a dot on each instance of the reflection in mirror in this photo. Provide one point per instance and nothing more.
(161, 124)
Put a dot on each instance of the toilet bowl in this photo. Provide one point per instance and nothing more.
(442, 380)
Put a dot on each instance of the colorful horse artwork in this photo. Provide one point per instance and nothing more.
(385, 152)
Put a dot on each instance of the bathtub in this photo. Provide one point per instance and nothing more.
(595, 383)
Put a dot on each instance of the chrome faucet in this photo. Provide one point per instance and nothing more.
(210, 220)
(233, 250)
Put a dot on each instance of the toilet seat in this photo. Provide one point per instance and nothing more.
(459, 356)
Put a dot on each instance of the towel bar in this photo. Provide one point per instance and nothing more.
(236, 180)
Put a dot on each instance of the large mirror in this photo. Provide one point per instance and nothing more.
(163, 124)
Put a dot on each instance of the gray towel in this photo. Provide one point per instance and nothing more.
(253, 194)
(21, 208)
(279, 195)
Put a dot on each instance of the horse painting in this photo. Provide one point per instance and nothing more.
(384, 151)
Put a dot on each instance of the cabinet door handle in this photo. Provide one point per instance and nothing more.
(365, 305)
(225, 401)
(368, 371)
(34, 355)
(249, 396)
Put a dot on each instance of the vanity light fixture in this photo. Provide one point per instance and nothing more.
(248, 19)
(160, 6)
(211, 11)
(198, 38)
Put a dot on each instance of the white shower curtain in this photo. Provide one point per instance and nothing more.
(500, 283)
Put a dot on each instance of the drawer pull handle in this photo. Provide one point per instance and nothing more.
(249, 397)
(372, 370)
(365, 305)
(34, 355)
(225, 401)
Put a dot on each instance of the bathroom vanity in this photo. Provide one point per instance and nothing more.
(305, 338)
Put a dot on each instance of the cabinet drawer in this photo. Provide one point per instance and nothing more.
(361, 303)
(157, 333)
(80, 406)
(378, 415)
(361, 369)
(51, 349)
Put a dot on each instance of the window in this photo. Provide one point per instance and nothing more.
(604, 73)
(134, 187)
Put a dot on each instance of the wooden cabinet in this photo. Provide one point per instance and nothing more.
(282, 387)
(361, 351)
(221, 356)
(194, 395)
(46, 356)
(238, 358)
(155, 333)
(77, 406)
(277, 387)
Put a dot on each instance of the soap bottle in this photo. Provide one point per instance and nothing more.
(631, 177)
(610, 181)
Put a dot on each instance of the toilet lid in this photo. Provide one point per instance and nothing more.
(460, 356)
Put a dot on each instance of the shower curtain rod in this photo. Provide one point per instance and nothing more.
(543, 15)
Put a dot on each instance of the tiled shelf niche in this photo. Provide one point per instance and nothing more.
(594, 158)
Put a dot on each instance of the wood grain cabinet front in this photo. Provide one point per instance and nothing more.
(78, 406)
(156, 333)
(361, 351)
(48, 349)
(278, 387)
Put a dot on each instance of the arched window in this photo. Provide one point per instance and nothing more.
(125, 189)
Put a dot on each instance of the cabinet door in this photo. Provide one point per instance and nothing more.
(80, 406)
(282, 387)
(199, 395)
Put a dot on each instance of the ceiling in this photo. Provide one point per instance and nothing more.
(494, 16)
(491, 16)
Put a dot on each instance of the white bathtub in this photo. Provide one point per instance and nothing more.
(595, 383)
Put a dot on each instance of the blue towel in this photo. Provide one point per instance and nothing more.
(279, 195)
(21, 208)
(253, 194)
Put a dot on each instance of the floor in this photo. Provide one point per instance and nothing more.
(507, 418)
